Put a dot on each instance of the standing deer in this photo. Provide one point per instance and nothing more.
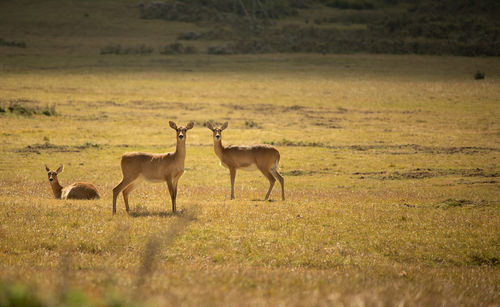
(77, 190)
(265, 158)
(167, 167)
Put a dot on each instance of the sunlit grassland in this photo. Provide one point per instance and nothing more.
(390, 163)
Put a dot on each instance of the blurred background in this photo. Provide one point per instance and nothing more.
(450, 27)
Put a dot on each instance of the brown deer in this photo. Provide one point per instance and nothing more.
(265, 158)
(167, 167)
(77, 190)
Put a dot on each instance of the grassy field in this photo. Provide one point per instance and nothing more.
(391, 167)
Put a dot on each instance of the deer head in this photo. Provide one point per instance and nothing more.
(217, 132)
(53, 175)
(181, 131)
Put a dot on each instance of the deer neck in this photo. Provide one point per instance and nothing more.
(218, 148)
(56, 188)
(180, 150)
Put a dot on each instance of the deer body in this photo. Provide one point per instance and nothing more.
(246, 157)
(167, 167)
(265, 158)
(154, 167)
(77, 190)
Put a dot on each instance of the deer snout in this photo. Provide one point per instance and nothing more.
(181, 136)
(51, 179)
(217, 136)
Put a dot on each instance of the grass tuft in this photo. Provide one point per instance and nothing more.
(25, 110)
(480, 259)
(178, 48)
(119, 49)
(479, 75)
(286, 142)
(251, 124)
(18, 294)
(7, 43)
(457, 202)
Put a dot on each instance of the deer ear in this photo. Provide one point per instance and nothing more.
(190, 126)
(224, 126)
(172, 125)
(209, 126)
(60, 169)
(46, 168)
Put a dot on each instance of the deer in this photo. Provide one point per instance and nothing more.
(265, 158)
(77, 190)
(167, 167)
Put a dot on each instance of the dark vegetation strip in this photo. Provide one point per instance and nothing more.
(457, 27)
(454, 203)
(418, 173)
(422, 173)
(391, 149)
(49, 147)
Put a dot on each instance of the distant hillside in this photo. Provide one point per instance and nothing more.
(125, 27)
(462, 27)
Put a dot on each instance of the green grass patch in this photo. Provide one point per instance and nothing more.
(26, 110)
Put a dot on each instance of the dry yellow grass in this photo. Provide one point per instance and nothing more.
(391, 181)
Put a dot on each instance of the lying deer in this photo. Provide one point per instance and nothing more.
(248, 157)
(77, 190)
(167, 167)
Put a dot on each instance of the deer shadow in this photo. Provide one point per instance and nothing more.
(265, 201)
(143, 213)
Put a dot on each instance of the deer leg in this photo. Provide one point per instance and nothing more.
(172, 192)
(271, 179)
(122, 185)
(278, 176)
(125, 193)
(174, 182)
(232, 173)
